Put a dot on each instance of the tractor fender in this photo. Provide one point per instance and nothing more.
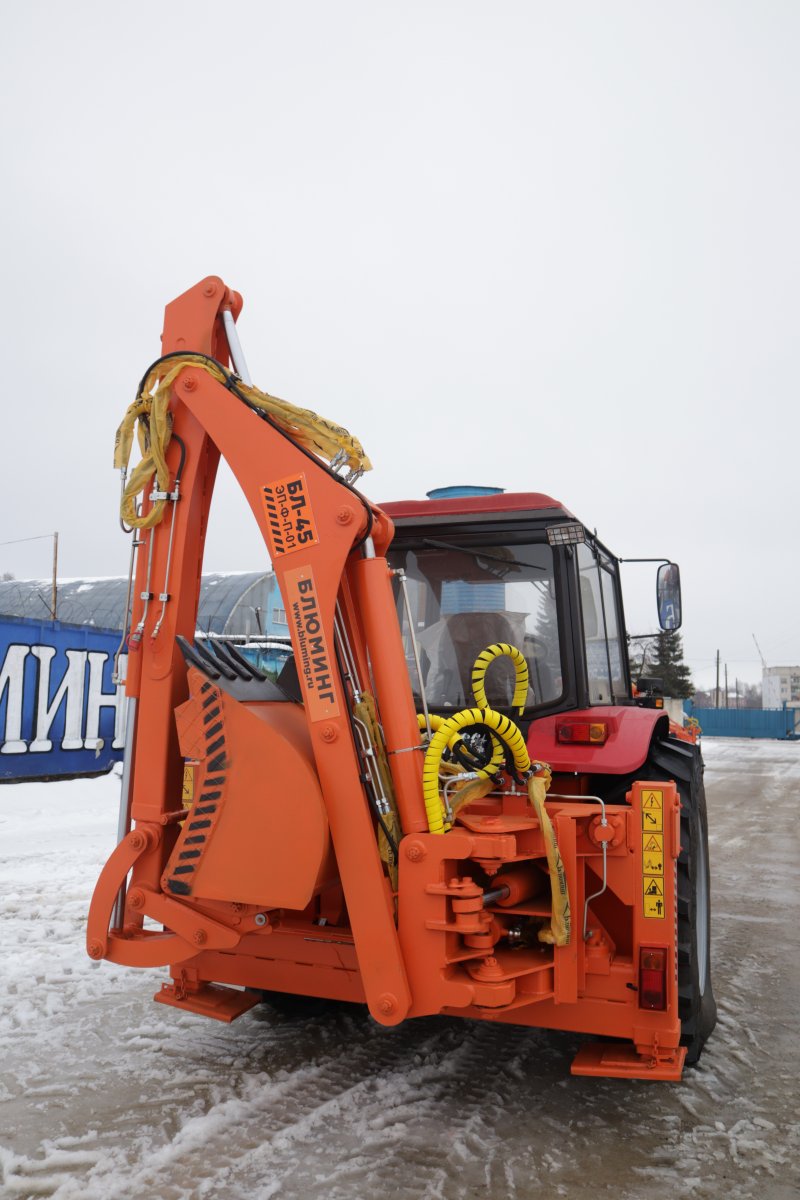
(630, 733)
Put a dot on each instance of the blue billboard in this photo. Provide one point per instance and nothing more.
(60, 713)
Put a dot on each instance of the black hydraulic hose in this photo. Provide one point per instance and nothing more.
(365, 779)
(182, 459)
(462, 755)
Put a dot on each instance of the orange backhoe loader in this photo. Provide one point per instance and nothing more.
(449, 800)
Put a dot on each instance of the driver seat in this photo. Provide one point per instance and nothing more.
(470, 633)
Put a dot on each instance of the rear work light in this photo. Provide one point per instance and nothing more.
(568, 534)
(587, 733)
(653, 977)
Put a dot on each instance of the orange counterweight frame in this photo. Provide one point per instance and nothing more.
(454, 963)
(590, 985)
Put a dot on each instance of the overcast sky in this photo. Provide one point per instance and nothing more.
(550, 247)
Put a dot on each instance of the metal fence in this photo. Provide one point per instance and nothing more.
(781, 723)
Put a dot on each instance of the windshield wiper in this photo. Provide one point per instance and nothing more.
(480, 555)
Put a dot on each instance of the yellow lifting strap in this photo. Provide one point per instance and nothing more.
(476, 789)
(482, 664)
(560, 929)
(149, 417)
(365, 712)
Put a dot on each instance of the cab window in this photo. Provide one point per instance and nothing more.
(464, 599)
(601, 626)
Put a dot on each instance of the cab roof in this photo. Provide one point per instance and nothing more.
(501, 504)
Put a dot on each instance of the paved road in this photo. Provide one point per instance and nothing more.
(104, 1094)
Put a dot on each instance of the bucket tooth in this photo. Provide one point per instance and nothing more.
(223, 653)
(194, 659)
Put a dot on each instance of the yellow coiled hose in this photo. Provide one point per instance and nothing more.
(479, 669)
(450, 727)
(498, 751)
(482, 664)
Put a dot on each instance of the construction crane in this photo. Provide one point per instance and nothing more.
(760, 654)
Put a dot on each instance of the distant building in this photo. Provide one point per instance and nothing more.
(245, 604)
(781, 685)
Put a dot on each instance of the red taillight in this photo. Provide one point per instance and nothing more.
(588, 733)
(653, 977)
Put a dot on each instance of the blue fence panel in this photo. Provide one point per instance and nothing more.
(60, 714)
(779, 723)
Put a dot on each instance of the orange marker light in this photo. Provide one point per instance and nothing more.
(594, 733)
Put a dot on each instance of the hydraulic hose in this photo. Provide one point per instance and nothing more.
(505, 729)
(457, 743)
(482, 664)
(560, 929)
(506, 735)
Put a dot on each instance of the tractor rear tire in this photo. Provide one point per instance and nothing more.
(293, 1007)
(670, 758)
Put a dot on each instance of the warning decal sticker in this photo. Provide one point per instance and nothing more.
(653, 854)
(652, 811)
(316, 669)
(290, 519)
(187, 795)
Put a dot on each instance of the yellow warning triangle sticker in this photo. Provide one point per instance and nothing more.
(653, 888)
(652, 800)
(652, 843)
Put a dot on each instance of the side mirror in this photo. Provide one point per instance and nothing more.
(668, 596)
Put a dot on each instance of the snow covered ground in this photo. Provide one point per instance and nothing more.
(104, 1094)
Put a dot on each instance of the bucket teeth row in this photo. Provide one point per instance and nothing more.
(224, 664)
